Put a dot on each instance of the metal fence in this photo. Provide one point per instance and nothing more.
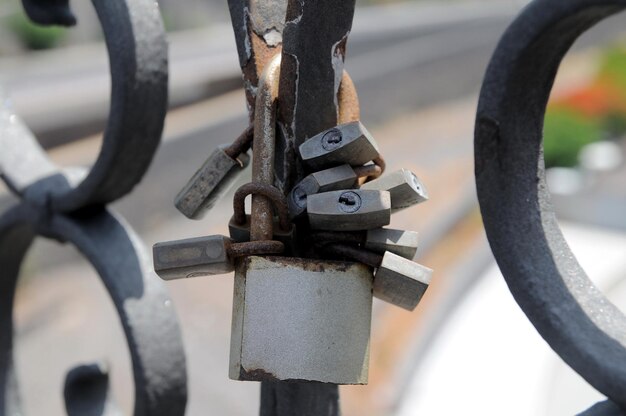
(70, 205)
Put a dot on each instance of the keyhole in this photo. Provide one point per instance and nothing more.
(349, 202)
(332, 139)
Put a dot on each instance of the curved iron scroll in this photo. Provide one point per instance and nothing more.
(578, 322)
(68, 205)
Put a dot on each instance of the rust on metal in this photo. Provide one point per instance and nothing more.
(258, 27)
(241, 144)
(349, 109)
(368, 172)
(255, 248)
(264, 151)
(273, 195)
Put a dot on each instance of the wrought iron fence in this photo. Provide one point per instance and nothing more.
(70, 205)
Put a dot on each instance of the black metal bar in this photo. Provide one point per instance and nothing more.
(314, 48)
(314, 43)
(569, 312)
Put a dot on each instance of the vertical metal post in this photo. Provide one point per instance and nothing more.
(313, 35)
(314, 44)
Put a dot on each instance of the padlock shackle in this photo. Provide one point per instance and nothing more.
(357, 254)
(264, 142)
(241, 143)
(348, 108)
(273, 195)
(255, 248)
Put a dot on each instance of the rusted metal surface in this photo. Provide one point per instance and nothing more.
(241, 144)
(256, 248)
(368, 172)
(274, 196)
(258, 26)
(264, 150)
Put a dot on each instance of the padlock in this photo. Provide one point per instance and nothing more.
(400, 281)
(405, 188)
(397, 280)
(349, 210)
(301, 320)
(192, 257)
(339, 177)
(400, 242)
(215, 177)
(347, 143)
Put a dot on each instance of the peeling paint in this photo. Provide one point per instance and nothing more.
(337, 56)
(248, 46)
(297, 19)
(273, 37)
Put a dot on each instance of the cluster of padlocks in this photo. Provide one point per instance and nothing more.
(303, 301)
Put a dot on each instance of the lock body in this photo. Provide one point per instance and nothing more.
(349, 210)
(400, 281)
(298, 319)
(192, 257)
(404, 186)
(209, 183)
(349, 143)
(339, 177)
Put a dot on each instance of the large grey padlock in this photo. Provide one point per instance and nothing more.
(347, 143)
(400, 281)
(214, 178)
(339, 177)
(299, 319)
(192, 257)
(404, 186)
(349, 210)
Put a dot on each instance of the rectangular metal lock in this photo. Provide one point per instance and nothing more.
(339, 177)
(192, 257)
(349, 210)
(210, 182)
(400, 242)
(400, 281)
(347, 143)
(404, 186)
(298, 319)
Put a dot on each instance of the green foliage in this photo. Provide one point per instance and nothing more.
(34, 36)
(613, 67)
(565, 133)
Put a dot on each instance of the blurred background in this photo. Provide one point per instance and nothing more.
(468, 348)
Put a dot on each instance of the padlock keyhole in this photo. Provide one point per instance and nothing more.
(349, 202)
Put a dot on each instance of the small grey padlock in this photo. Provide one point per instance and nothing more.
(192, 257)
(349, 210)
(400, 242)
(347, 143)
(339, 177)
(301, 319)
(214, 178)
(400, 281)
(405, 188)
